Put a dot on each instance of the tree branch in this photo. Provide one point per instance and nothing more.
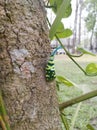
(78, 99)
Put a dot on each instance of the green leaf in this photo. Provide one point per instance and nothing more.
(91, 69)
(90, 127)
(64, 34)
(60, 15)
(68, 11)
(56, 6)
(85, 51)
(60, 28)
(64, 81)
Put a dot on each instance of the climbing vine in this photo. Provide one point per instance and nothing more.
(63, 9)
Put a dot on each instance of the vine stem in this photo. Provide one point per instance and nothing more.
(66, 50)
(64, 120)
(70, 56)
(51, 6)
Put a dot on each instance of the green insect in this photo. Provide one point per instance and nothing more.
(50, 69)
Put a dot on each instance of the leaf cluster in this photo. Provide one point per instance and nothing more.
(62, 9)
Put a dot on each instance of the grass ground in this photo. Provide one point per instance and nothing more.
(88, 111)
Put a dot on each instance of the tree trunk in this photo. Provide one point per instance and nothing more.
(91, 38)
(75, 27)
(80, 14)
(95, 42)
(31, 102)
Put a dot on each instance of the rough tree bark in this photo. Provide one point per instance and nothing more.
(30, 101)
